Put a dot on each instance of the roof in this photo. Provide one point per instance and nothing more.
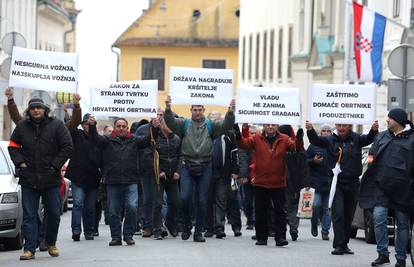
(179, 42)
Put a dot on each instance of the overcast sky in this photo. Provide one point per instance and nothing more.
(99, 24)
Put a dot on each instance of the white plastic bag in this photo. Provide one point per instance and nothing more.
(305, 207)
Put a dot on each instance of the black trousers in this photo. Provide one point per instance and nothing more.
(248, 200)
(171, 189)
(217, 202)
(263, 198)
(233, 209)
(343, 209)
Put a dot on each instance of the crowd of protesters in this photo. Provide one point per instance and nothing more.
(174, 175)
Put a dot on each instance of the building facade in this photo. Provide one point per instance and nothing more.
(300, 42)
(197, 33)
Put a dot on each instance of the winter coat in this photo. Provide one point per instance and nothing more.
(119, 156)
(388, 180)
(269, 164)
(225, 159)
(145, 156)
(44, 147)
(197, 144)
(169, 151)
(351, 160)
(320, 175)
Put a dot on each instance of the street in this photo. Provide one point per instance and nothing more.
(232, 251)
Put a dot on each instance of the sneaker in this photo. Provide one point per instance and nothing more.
(254, 237)
(347, 250)
(129, 241)
(157, 236)
(185, 235)
(294, 236)
(147, 233)
(76, 237)
(89, 237)
(381, 260)
(237, 233)
(338, 251)
(198, 237)
(138, 232)
(171, 230)
(314, 230)
(208, 234)
(250, 226)
(27, 255)
(115, 242)
(281, 242)
(325, 236)
(96, 233)
(42, 245)
(53, 251)
(261, 243)
(220, 234)
(400, 263)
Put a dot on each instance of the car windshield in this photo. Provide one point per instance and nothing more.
(4, 167)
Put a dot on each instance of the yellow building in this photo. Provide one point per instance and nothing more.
(187, 33)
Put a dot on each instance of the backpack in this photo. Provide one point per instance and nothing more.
(207, 122)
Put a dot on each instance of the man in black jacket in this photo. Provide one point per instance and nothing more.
(83, 171)
(39, 146)
(345, 200)
(388, 183)
(120, 171)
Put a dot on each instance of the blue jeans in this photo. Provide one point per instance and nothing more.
(147, 183)
(321, 211)
(201, 184)
(52, 205)
(381, 232)
(122, 198)
(84, 208)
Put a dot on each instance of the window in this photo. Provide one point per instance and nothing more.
(272, 47)
(257, 56)
(396, 8)
(214, 64)
(4, 167)
(264, 54)
(279, 63)
(243, 57)
(290, 52)
(250, 56)
(153, 69)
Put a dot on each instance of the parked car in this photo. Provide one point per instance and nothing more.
(11, 211)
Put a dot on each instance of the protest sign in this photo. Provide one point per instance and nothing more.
(197, 86)
(342, 103)
(268, 105)
(43, 70)
(125, 99)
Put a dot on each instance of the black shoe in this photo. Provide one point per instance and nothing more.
(164, 232)
(237, 233)
(314, 230)
(261, 243)
(281, 242)
(400, 263)
(338, 251)
(43, 245)
(347, 250)
(172, 230)
(129, 241)
(325, 236)
(198, 237)
(208, 234)
(381, 260)
(89, 237)
(157, 236)
(294, 236)
(185, 235)
(250, 226)
(115, 242)
(220, 234)
(76, 237)
(96, 233)
(254, 237)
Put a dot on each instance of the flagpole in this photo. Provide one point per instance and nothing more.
(388, 19)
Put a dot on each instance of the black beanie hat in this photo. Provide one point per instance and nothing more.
(399, 115)
(37, 102)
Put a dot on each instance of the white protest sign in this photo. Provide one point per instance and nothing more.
(42, 70)
(342, 103)
(125, 99)
(268, 105)
(197, 86)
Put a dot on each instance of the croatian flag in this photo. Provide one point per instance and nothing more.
(369, 30)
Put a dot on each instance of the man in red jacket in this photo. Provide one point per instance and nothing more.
(269, 181)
